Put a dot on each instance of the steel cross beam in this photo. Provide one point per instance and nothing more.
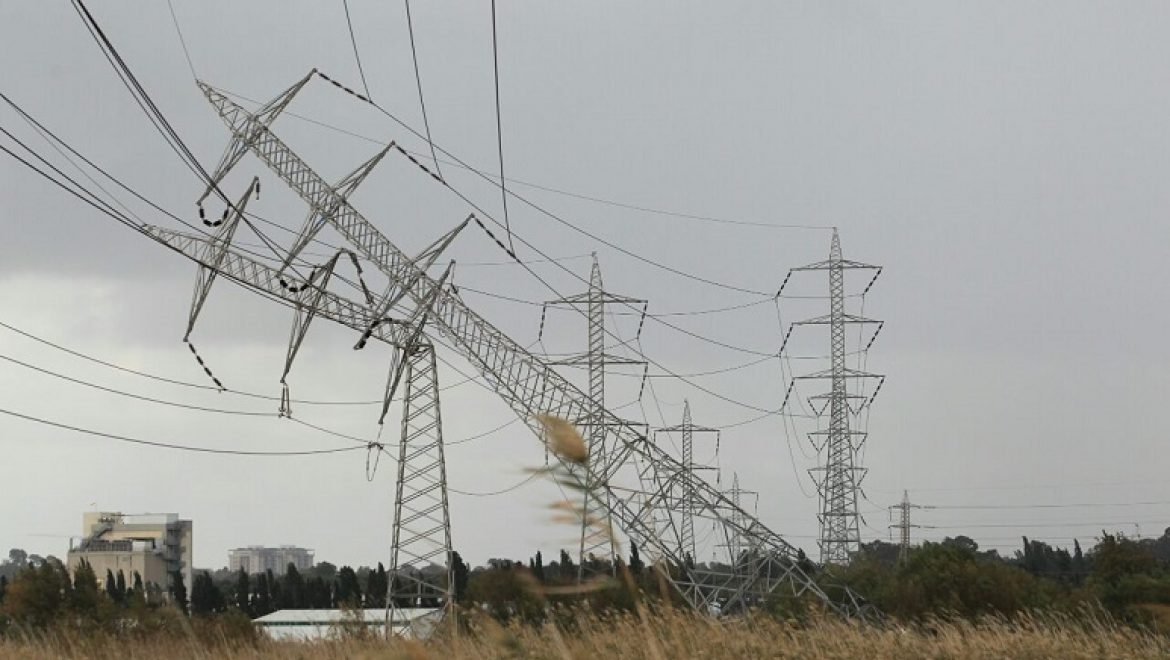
(530, 386)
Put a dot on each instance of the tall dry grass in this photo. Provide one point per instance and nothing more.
(675, 634)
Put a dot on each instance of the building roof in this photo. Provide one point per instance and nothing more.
(330, 617)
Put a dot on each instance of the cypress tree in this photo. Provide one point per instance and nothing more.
(293, 588)
(179, 591)
(243, 593)
(261, 597)
(111, 586)
(461, 574)
(120, 586)
(636, 564)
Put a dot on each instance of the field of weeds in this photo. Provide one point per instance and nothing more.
(666, 635)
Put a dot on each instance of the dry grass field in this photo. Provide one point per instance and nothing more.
(668, 635)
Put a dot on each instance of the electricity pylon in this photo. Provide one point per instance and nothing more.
(594, 545)
(528, 384)
(903, 525)
(736, 545)
(838, 445)
(686, 508)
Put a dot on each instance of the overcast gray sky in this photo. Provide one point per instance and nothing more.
(1004, 161)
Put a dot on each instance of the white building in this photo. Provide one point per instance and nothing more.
(258, 559)
(307, 625)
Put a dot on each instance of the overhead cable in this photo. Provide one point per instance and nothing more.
(356, 55)
(418, 83)
(169, 445)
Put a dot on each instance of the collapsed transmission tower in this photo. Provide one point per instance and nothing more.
(415, 300)
(595, 547)
(686, 508)
(839, 475)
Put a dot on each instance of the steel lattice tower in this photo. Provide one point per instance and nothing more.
(687, 506)
(593, 545)
(526, 382)
(736, 543)
(903, 525)
(422, 524)
(839, 473)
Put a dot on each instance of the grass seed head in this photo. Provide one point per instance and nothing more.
(564, 439)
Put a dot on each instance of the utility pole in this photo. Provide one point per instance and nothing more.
(839, 473)
(594, 546)
(903, 524)
(687, 524)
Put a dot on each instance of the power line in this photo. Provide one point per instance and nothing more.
(559, 191)
(155, 115)
(113, 214)
(53, 140)
(168, 445)
(532, 303)
(499, 129)
(554, 216)
(100, 205)
(500, 132)
(173, 381)
(459, 163)
(182, 41)
(174, 404)
(104, 207)
(1079, 505)
(131, 395)
(508, 489)
(353, 41)
(418, 82)
(1070, 523)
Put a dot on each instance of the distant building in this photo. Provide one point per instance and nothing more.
(153, 545)
(309, 625)
(258, 559)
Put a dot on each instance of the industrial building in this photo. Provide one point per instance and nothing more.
(153, 545)
(310, 625)
(258, 559)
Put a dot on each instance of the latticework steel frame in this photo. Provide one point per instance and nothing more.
(685, 509)
(422, 522)
(593, 545)
(839, 473)
(525, 382)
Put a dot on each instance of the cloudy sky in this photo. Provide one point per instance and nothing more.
(1005, 162)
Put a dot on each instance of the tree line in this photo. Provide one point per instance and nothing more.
(1130, 578)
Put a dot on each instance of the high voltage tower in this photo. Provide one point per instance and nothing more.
(903, 525)
(414, 309)
(839, 473)
(594, 545)
(737, 495)
(686, 507)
